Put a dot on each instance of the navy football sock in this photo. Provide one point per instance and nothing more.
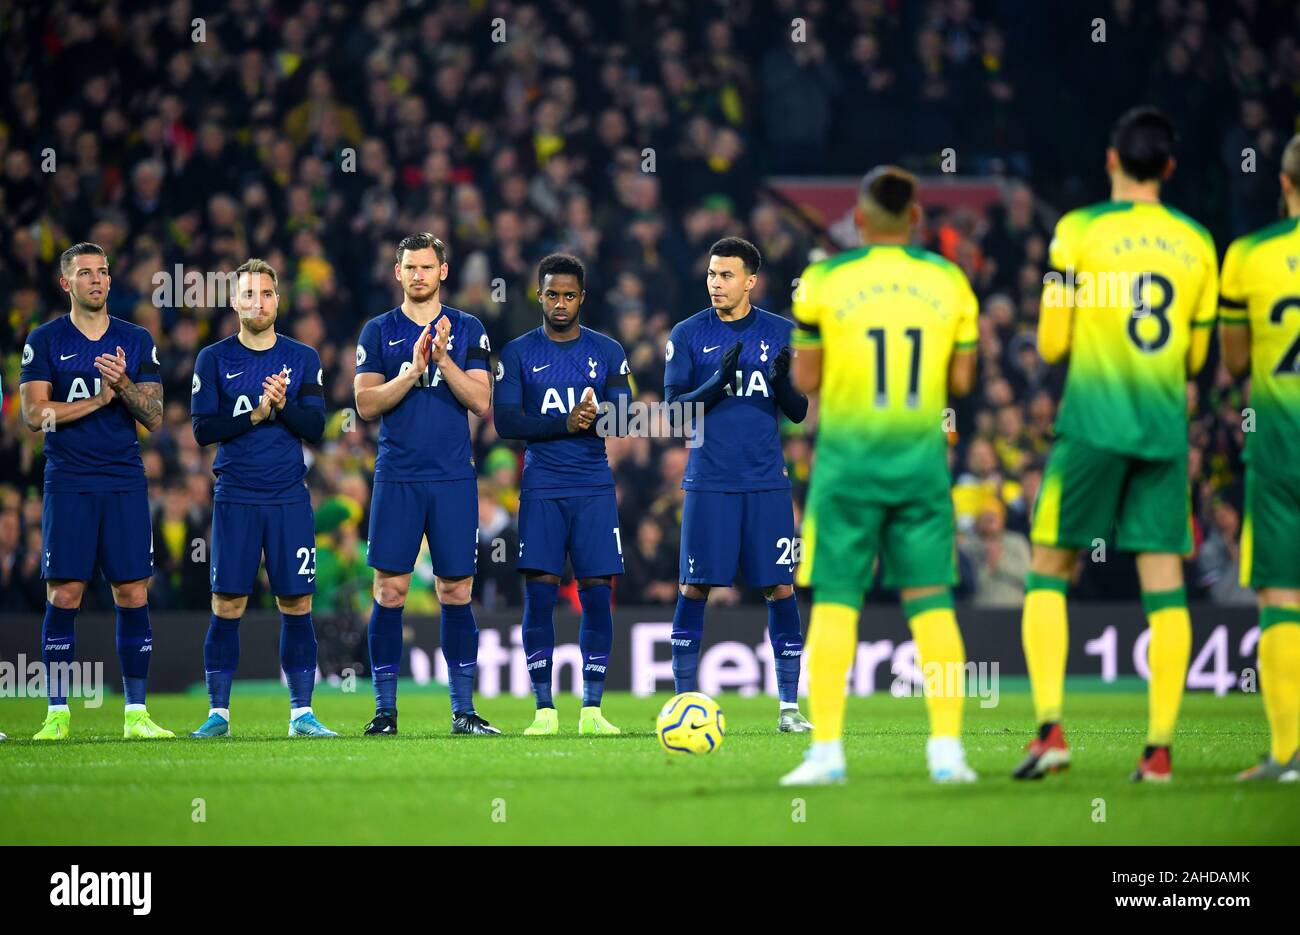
(595, 638)
(298, 657)
(460, 649)
(134, 650)
(686, 637)
(58, 649)
(787, 646)
(221, 659)
(539, 637)
(385, 654)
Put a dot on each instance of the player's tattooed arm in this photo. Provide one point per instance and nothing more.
(144, 401)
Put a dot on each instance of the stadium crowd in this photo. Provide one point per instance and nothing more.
(185, 137)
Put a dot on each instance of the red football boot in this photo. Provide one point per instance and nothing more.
(1156, 766)
(1048, 753)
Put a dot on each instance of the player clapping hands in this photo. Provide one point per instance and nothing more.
(583, 414)
(436, 345)
(274, 390)
(113, 369)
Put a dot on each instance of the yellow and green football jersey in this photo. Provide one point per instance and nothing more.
(888, 319)
(1139, 277)
(1261, 288)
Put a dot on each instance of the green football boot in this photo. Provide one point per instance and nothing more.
(139, 726)
(546, 722)
(57, 726)
(591, 721)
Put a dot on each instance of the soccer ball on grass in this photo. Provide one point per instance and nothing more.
(691, 723)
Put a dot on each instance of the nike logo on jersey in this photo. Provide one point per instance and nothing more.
(231, 376)
(465, 665)
(66, 356)
(542, 367)
(710, 349)
(393, 343)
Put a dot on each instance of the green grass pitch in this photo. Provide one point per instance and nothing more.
(426, 787)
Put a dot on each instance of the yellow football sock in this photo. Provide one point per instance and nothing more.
(1279, 677)
(1167, 656)
(942, 659)
(832, 640)
(1045, 634)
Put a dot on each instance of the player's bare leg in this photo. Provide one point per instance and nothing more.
(1279, 676)
(134, 650)
(58, 644)
(385, 644)
(1168, 653)
(1044, 632)
(595, 640)
(460, 649)
(787, 653)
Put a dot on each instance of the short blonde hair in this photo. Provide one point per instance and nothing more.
(254, 265)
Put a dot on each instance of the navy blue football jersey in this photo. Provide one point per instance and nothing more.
(264, 464)
(425, 436)
(741, 441)
(100, 451)
(547, 378)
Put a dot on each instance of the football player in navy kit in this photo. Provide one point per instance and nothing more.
(734, 359)
(421, 369)
(550, 385)
(87, 379)
(258, 396)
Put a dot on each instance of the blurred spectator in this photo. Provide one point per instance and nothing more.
(181, 550)
(1000, 559)
(650, 567)
(342, 575)
(1219, 561)
(497, 581)
(21, 587)
(799, 84)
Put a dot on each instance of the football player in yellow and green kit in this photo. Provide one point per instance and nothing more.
(884, 334)
(1259, 329)
(1131, 300)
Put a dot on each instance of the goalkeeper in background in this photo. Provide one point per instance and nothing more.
(1259, 329)
(1131, 300)
(884, 333)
